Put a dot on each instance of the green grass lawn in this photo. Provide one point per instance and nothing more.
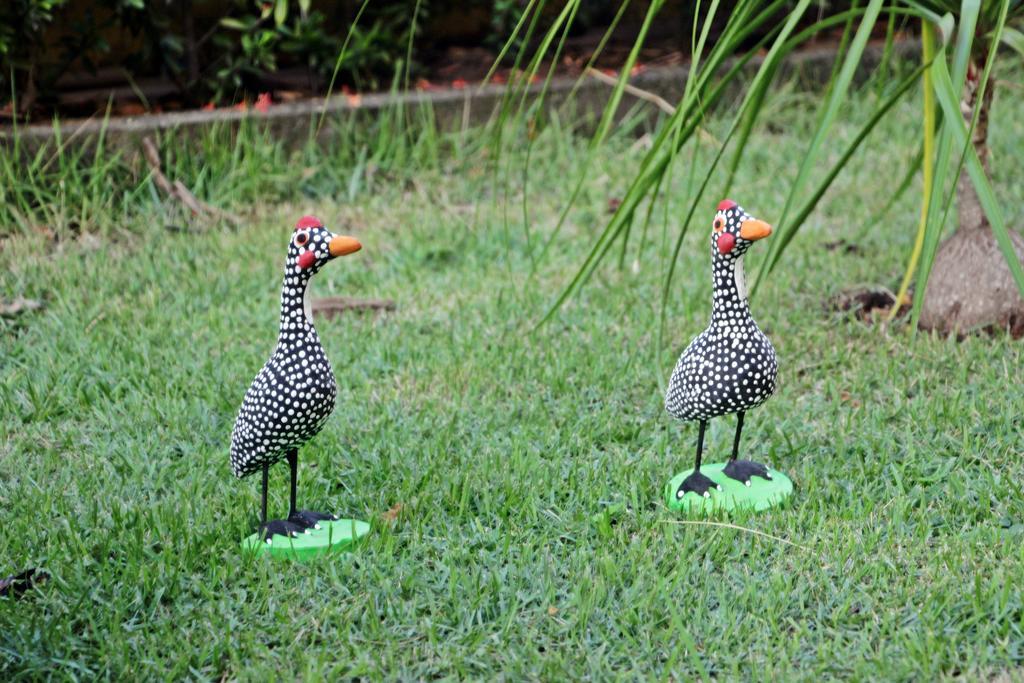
(900, 556)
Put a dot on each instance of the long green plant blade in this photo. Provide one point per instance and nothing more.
(690, 110)
(933, 215)
(838, 91)
(510, 116)
(613, 102)
(948, 98)
(697, 48)
(936, 217)
(337, 66)
(607, 117)
(1014, 39)
(938, 212)
(659, 157)
(601, 44)
(819, 191)
(940, 16)
(969, 10)
(511, 40)
(874, 219)
(754, 111)
(927, 165)
(691, 78)
(535, 107)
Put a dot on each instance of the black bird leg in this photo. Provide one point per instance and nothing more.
(743, 470)
(293, 465)
(736, 439)
(697, 482)
(276, 527)
(307, 519)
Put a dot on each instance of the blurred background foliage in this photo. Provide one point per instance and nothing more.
(222, 51)
(65, 56)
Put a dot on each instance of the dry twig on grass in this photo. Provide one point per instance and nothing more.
(647, 96)
(17, 306)
(331, 306)
(177, 189)
(639, 93)
(726, 525)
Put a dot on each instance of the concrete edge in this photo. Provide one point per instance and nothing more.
(467, 106)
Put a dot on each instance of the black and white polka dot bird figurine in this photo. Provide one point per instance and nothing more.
(293, 395)
(731, 366)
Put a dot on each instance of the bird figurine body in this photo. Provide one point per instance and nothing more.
(293, 395)
(731, 366)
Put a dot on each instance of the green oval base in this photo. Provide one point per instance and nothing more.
(336, 536)
(735, 495)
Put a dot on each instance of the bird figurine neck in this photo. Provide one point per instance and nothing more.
(296, 319)
(728, 287)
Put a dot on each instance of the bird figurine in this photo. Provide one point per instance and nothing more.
(293, 395)
(731, 366)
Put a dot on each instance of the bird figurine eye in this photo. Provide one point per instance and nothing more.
(301, 238)
(719, 225)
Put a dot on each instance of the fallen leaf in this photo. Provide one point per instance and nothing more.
(131, 109)
(552, 611)
(45, 231)
(263, 103)
(392, 514)
(18, 306)
(846, 397)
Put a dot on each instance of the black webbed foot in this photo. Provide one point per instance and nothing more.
(281, 527)
(743, 470)
(699, 484)
(309, 519)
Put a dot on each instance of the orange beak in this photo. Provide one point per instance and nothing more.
(342, 246)
(754, 229)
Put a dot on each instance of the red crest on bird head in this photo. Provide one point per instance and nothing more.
(726, 204)
(307, 222)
